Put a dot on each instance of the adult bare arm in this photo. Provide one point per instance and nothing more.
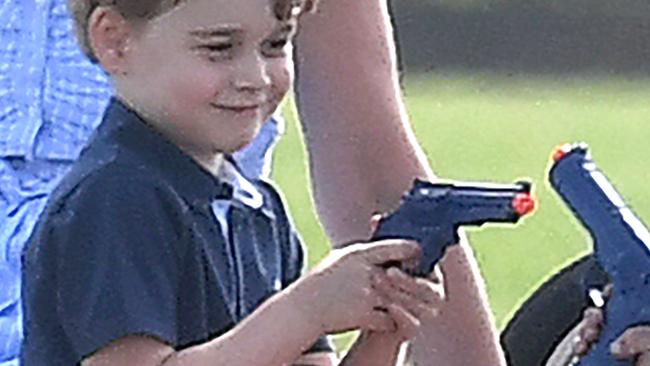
(363, 155)
(353, 117)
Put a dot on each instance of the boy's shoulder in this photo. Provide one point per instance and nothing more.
(126, 153)
(123, 158)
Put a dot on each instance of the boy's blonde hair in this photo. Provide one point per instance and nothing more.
(144, 10)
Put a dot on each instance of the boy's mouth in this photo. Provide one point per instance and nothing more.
(237, 108)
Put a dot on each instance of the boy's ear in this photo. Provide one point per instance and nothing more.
(109, 36)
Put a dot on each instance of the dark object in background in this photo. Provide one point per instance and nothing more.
(539, 37)
(550, 313)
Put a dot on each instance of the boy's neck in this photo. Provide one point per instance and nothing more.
(212, 163)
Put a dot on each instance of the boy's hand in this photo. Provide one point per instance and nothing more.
(409, 300)
(633, 344)
(341, 292)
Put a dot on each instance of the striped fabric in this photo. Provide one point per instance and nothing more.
(51, 100)
(51, 96)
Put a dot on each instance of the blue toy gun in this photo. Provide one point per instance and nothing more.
(621, 244)
(432, 213)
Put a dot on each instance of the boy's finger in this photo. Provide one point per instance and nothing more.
(407, 324)
(379, 320)
(632, 343)
(417, 287)
(372, 297)
(394, 295)
(390, 250)
(436, 276)
(643, 359)
(374, 222)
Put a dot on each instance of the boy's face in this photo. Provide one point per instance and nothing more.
(210, 72)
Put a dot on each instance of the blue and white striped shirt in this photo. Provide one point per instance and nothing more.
(51, 96)
(51, 99)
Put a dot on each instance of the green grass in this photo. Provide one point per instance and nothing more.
(496, 127)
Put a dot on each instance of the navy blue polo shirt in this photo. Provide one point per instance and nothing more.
(129, 245)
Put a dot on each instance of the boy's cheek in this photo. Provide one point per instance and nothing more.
(196, 90)
(204, 80)
(281, 83)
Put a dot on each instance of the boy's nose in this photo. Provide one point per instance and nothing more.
(252, 73)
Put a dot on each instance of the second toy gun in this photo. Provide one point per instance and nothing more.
(621, 244)
(432, 213)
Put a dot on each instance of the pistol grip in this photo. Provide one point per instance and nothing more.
(431, 240)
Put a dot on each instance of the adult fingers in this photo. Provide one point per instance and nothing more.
(580, 346)
(588, 331)
(632, 343)
(591, 324)
(390, 250)
(593, 317)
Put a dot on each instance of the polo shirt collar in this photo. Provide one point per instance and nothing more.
(131, 131)
(243, 190)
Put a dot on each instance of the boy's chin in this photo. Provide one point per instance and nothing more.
(234, 147)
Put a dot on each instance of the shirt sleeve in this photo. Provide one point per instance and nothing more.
(117, 269)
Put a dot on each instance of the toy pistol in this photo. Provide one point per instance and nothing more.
(432, 213)
(621, 244)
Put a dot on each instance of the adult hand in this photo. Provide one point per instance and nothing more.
(633, 344)
(579, 340)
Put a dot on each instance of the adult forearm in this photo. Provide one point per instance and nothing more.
(464, 332)
(373, 349)
(277, 333)
(363, 156)
(362, 151)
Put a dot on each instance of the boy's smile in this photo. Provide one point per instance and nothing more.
(208, 73)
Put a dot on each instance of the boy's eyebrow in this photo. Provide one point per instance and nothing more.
(218, 31)
(227, 30)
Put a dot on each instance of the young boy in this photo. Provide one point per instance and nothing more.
(133, 261)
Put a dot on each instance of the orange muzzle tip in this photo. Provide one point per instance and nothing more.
(561, 151)
(523, 204)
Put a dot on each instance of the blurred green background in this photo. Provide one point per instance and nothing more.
(490, 126)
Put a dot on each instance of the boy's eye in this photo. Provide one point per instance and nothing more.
(219, 47)
(280, 43)
(276, 48)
